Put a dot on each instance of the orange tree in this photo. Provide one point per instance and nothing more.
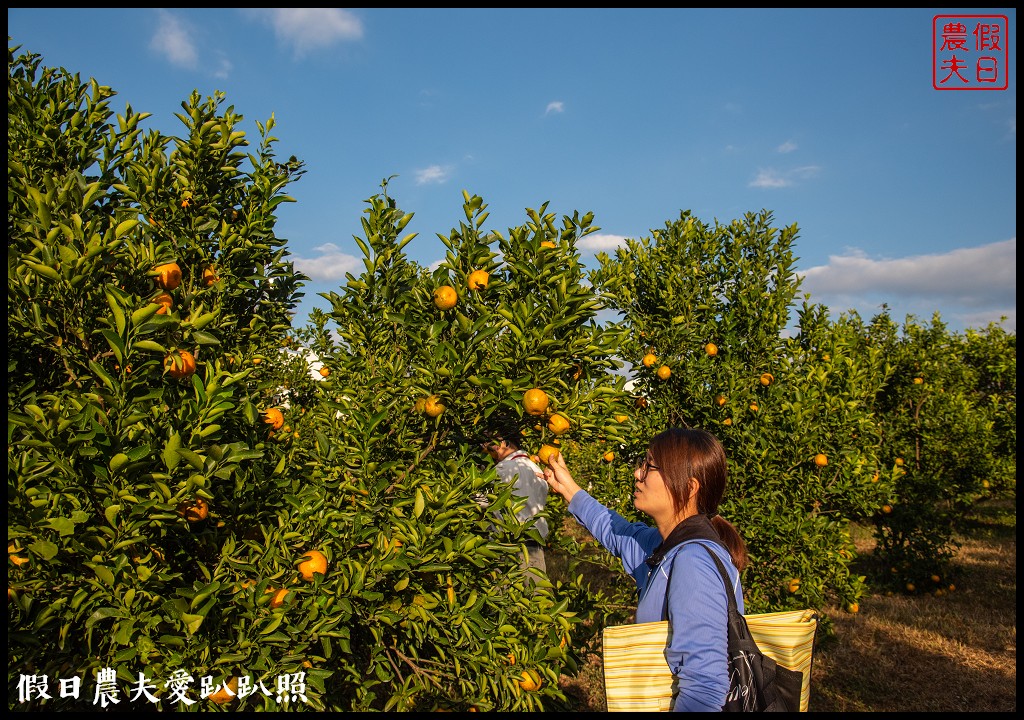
(711, 303)
(426, 605)
(948, 416)
(992, 354)
(146, 288)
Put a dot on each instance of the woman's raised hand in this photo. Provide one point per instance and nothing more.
(559, 478)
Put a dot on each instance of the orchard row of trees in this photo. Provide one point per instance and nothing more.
(184, 495)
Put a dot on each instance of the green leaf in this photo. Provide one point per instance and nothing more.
(43, 548)
(271, 626)
(204, 320)
(102, 614)
(192, 622)
(191, 458)
(115, 342)
(62, 525)
(205, 338)
(111, 511)
(45, 270)
(105, 378)
(205, 593)
(115, 308)
(140, 452)
(170, 454)
(144, 313)
(102, 573)
(117, 462)
(149, 345)
(125, 226)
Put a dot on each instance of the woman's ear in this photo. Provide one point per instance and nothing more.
(694, 492)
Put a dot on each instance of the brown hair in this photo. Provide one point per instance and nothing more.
(685, 453)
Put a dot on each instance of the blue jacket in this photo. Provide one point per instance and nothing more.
(685, 588)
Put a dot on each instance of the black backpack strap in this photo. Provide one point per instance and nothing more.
(740, 641)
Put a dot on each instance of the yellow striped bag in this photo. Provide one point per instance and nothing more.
(637, 677)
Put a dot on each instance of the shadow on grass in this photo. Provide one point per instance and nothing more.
(954, 652)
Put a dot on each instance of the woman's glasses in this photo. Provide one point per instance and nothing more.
(644, 465)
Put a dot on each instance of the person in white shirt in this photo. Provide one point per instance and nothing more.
(514, 465)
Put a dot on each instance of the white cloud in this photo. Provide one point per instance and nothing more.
(172, 40)
(769, 179)
(309, 29)
(330, 264)
(975, 285)
(805, 172)
(434, 174)
(556, 106)
(597, 242)
(787, 147)
(772, 178)
(223, 69)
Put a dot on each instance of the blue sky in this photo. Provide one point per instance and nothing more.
(904, 194)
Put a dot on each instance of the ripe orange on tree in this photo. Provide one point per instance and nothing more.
(727, 421)
(168, 275)
(621, 418)
(324, 371)
(445, 297)
(899, 461)
(720, 400)
(794, 585)
(210, 276)
(226, 692)
(279, 595)
(558, 423)
(547, 244)
(165, 301)
(315, 562)
(194, 510)
(546, 452)
(821, 460)
(753, 407)
(649, 359)
(535, 401)
(433, 406)
(711, 349)
(852, 608)
(664, 372)
(918, 380)
(530, 681)
(478, 279)
(767, 378)
(274, 418)
(180, 364)
(608, 456)
(887, 509)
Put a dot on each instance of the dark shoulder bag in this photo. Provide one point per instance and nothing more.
(756, 682)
